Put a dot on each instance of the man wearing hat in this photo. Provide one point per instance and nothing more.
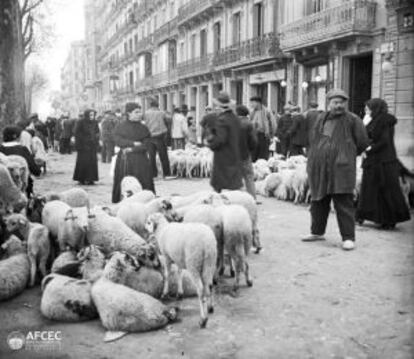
(337, 138)
(283, 126)
(221, 130)
(264, 125)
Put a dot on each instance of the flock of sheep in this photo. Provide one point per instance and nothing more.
(117, 262)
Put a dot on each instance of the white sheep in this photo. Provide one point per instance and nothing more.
(10, 196)
(15, 270)
(92, 261)
(190, 246)
(72, 229)
(38, 245)
(194, 198)
(67, 299)
(267, 186)
(122, 309)
(24, 169)
(74, 197)
(129, 186)
(247, 201)
(62, 260)
(237, 234)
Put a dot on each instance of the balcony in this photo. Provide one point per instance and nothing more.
(196, 66)
(195, 9)
(143, 9)
(144, 84)
(166, 31)
(256, 49)
(145, 44)
(356, 17)
(165, 78)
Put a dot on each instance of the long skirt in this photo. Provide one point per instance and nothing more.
(381, 199)
(135, 164)
(86, 169)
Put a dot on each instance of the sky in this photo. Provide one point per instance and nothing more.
(69, 26)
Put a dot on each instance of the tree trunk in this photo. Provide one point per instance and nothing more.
(12, 99)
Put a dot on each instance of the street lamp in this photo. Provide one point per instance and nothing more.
(283, 83)
(305, 85)
(318, 78)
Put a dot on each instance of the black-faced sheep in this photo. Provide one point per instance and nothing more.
(129, 186)
(190, 246)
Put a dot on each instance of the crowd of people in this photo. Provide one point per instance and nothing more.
(238, 136)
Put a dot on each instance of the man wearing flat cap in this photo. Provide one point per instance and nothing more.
(337, 138)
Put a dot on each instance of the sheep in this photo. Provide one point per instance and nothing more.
(15, 270)
(237, 233)
(23, 167)
(52, 214)
(194, 198)
(67, 299)
(10, 195)
(62, 260)
(122, 309)
(74, 197)
(144, 196)
(267, 186)
(38, 245)
(247, 201)
(92, 260)
(35, 207)
(299, 183)
(72, 229)
(190, 246)
(129, 186)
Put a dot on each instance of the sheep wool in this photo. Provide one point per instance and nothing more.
(10, 195)
(67, 299)
(74, 197)
(123, 309)
(15, 270)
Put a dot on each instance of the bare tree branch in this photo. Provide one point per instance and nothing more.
(26, 9)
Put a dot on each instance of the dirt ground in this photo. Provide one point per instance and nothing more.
(309, 300)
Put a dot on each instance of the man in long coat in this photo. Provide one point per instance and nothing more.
(337, 138)
(222, 133)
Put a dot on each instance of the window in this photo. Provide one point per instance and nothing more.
(131, 79)
(172, 54)
(136, 42)
(258, 20)
(125, 47)
(192, 46)
(182, 57)
(217, 36)
(130, 46)
(236, 28)
(203, 43)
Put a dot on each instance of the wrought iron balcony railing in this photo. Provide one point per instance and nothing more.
(257, 48)
(195, 8)
(165, 78)
(166, 31)
(355, 17)
(196, 66)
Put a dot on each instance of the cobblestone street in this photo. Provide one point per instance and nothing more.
(309, 300)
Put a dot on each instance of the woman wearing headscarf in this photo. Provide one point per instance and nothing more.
(381, 199)
(86, 143)
(132, 136)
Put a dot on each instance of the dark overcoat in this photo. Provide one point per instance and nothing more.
(86, 143)
(332, 157)
(222, 132)
(381, 199)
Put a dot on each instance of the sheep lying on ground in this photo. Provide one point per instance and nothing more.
(67, 299)
(15, 270)
(190, 246)
(122, 309)
(74, 197)
(129, 186)
(11, 198)
(63, 260)
(38, 245)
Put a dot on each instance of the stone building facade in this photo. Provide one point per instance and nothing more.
(186, 51)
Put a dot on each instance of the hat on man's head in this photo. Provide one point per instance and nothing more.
(223, 101)
(131, 106)
(256, 99)
(337, 93)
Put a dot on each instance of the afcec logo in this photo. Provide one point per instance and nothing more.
(16, 340)
(35, 340)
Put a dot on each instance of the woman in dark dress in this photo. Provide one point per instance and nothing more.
(86, 143)
(381, 199)
(12, 146)
(132, 136)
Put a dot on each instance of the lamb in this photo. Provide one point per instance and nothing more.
(74, 197)
(129, 186)
(10, 195)
(122, 309)
(67, 299)
(237, 233)
(23, 169)
(37, 237)
(15, 270)
(190, 246)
